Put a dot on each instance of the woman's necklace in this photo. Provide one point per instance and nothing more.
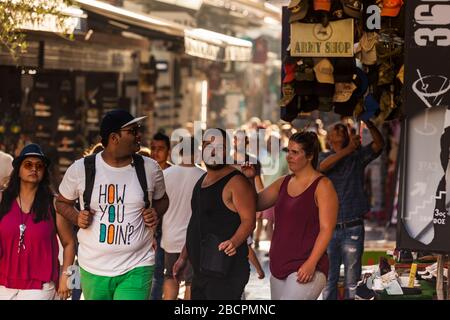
(22, 227)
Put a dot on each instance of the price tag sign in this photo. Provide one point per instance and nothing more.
(412, 275)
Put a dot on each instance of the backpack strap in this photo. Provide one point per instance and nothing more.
(89, 174)
(138, 161)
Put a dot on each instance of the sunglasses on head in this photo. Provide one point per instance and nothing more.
(39, 166)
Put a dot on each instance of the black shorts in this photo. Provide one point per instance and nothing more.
(169, 261)
(228, 288)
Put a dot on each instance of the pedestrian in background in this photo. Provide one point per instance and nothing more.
(242, 156)
(344, 165)
(180, 181)
(160, 151)
(5, 168)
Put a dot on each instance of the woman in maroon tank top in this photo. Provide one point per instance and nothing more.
(306, 208)
(29, 266)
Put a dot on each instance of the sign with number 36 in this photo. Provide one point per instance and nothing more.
(432, 23)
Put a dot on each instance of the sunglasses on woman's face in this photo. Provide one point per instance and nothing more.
(39, 166)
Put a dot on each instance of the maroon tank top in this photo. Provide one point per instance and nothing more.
(296, 229)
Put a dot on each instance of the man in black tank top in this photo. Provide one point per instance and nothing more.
(224, 208)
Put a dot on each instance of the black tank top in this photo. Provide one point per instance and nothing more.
(211, 215)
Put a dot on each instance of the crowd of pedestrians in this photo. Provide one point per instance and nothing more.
(137, 222)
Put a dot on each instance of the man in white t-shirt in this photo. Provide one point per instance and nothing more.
(115, 251)
(5, 168)
(180, 181)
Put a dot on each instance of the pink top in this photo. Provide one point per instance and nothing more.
(296, 229)
(38, 262)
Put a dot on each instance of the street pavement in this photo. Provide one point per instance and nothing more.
(259, 289)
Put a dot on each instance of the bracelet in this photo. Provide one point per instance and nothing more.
(67, 273)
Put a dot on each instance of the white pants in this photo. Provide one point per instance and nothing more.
(46, 293)
(290, 289)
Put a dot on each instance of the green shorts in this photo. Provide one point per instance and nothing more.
(133, 285)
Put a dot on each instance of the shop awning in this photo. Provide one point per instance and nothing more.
(198, 42)
(216, 46)
(127, 17)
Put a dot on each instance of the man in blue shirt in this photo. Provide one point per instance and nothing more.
(344, 165)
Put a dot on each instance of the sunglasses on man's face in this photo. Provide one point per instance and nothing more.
(134, 131)
(39, 166)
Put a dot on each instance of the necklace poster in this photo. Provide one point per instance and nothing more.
(425, 171)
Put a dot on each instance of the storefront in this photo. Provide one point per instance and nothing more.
(58, 91)
(190, 64)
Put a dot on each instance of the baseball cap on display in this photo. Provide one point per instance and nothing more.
(401, 74)
(336, 11)
(386, 73)
(324, 89)
(298, 9)
(344, 69)
(305, 70)
(387, 104)
(372, 74)
(290, 112)
(324, 70)
(324, 5)
(371, 108)
(325, 104)
(366, 50)
(391, 8)
(289, 103)
(352, 8)
(305, 88)
(289, 71)
(325, 92)
(346, 108)
(309, 103)
(343, 91)
(361, 81)
(115, 120)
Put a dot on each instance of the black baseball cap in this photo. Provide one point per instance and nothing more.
(344, 69)
(31, 150)
(115, 120)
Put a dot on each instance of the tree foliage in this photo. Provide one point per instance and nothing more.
(15, 14)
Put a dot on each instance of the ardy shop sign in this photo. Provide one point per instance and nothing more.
(315, 40)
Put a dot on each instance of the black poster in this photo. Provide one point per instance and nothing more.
(424, 223)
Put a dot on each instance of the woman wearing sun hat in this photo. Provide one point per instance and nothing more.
(29, 225)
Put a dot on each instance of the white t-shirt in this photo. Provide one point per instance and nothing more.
(5, 167)
(117, 241)
(180, 182)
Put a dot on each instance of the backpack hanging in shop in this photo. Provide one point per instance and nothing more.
(89, 170)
